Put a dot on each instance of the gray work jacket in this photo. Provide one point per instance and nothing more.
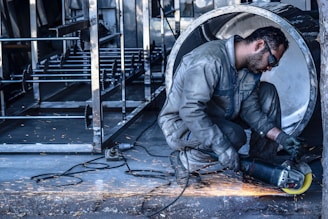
(206, 84)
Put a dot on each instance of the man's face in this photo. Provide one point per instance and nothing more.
(259, 62)
(256, 62)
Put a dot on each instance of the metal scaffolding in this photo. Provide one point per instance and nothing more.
(82, 84)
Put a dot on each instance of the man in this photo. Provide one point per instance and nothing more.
(216, 90)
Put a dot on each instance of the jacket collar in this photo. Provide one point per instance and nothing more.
(230, 46)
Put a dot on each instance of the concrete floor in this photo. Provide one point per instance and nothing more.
(90, 186)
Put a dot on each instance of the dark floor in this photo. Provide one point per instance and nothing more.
(139, 185)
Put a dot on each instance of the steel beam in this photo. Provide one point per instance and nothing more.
(119, 4)
(95, 79)
(34, 47)
(2, 96)
(37, 39)
(146, 48)
(46, 148)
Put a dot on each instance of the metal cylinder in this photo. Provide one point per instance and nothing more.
(296, 76)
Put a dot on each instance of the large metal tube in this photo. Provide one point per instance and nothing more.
(296, 75)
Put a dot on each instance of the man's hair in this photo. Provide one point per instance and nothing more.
(272, 35)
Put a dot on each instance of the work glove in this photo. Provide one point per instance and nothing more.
(227, 155)
(289, 143)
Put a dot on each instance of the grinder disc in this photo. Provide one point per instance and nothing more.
(304, 188)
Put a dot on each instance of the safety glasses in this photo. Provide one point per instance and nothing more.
(272, 60)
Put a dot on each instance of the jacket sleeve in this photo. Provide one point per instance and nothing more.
(251, 112)
(200, 80)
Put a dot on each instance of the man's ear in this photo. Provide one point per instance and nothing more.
(259, 45)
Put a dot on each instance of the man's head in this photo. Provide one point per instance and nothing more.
(268, 46)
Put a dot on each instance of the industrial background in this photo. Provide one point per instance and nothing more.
(76, 76)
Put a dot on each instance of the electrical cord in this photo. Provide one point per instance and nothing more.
(172, 202)
(68, 173)
(151, 173)
(91, 165)
(149, 153)
(87, 165)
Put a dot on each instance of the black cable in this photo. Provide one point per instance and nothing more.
(147, 173)
(151, 154)
(137, 173)
(153, 174)
(48, 176)
(141, 134)
(168, 205)
(145, 129)
(156, 174)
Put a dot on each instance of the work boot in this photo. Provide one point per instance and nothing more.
(201, 161)
(182, 175)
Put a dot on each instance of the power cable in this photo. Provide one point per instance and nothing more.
(172, 202)
(91, 165)
(41, 178)
(151, 173)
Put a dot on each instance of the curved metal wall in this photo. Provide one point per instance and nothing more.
(296, 75)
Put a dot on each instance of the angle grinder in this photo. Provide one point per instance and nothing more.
(291, 176)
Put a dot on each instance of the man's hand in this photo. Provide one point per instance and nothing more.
(289, 143)
(227, 156)
(230, 159)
